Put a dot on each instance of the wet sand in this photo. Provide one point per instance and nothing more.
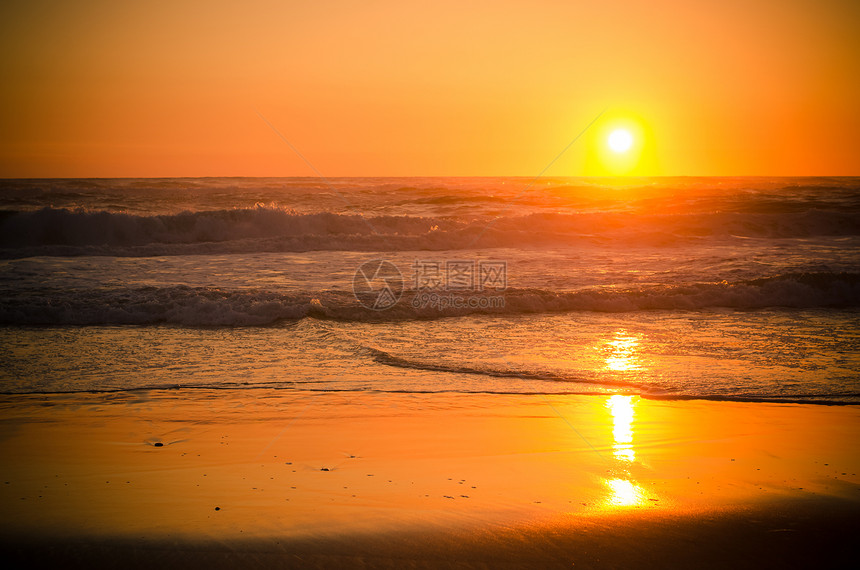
(275, 478)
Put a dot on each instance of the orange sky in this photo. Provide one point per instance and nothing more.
(378, 88)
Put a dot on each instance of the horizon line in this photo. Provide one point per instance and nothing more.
(526, 176)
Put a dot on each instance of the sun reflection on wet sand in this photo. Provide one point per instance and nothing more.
(624, 493)
(621, 409)
(623, 490)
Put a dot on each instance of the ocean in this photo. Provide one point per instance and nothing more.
(716, 288)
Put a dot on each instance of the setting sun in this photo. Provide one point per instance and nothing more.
(622, 143)
(620, 140)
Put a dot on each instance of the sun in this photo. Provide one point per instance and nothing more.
(620, 140)
(622, 145)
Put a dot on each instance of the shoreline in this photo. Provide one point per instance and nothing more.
(499, 479)
(715, 398)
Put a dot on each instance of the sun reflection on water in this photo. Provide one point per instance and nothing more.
(622, 352)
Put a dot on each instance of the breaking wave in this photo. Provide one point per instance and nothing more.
(74, 232)
(207, 306)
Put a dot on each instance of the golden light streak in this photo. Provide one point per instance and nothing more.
(623, 490)
(621, 409)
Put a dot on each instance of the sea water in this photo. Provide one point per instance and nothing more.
(715, 288)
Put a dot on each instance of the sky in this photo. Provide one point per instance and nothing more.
(97, 88)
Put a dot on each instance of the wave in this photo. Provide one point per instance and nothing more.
(383, 357)
(207, 306)
(583, 383)
(72, 232)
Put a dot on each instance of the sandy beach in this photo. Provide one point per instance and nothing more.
(304, 479)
